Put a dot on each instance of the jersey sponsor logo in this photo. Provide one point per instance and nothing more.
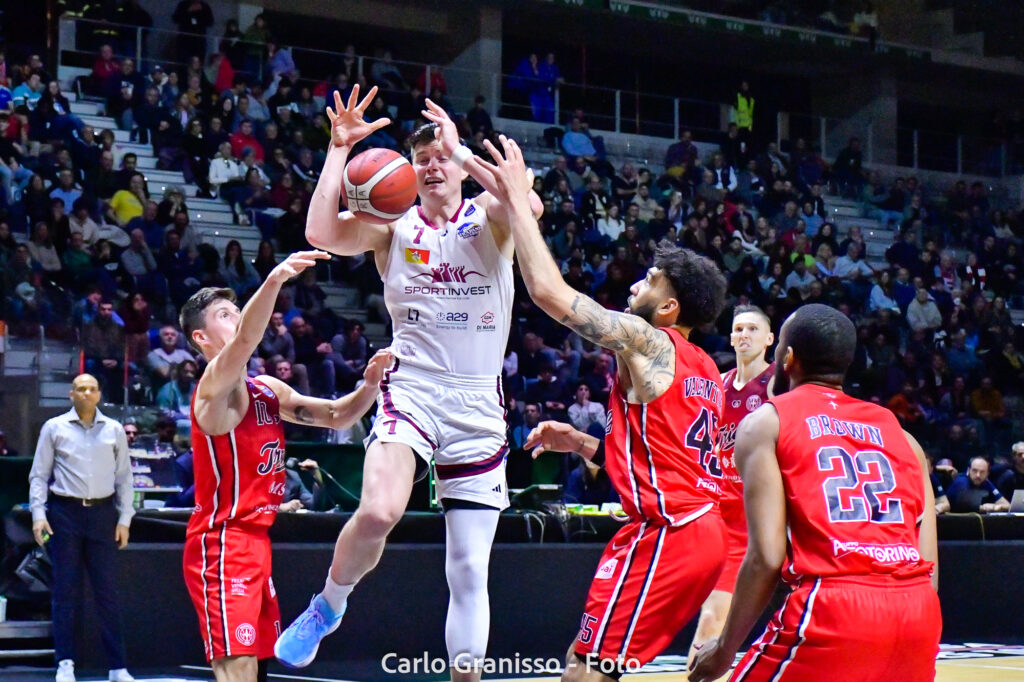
(753, 402)
(274, 454)
(469, 230)
(419, 256)
(238, 587)
(707, 484)
(736, 403)
(278, 488)
(884, 554)
(449, 320)
(413, 316)
(449, 292)
(488, 323)
(245, 634)
(823, 425)
(607, 569)
(446, 273)
(407, 349)
(469, 211)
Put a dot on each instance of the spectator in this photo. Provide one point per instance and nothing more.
(531, 417)
(193, 18)
(1012, 479)
(237, 272)
(225, 174)
(124, 94)
(243, 141)
(848, 168)
(987, 404)
(103, 348)
(277, 341)
(175, 397)
(588, 483)
(128, 203)
(28, 93)
(646, 203)
(478, 119)
(104, 70)
(83, 455)
(922, 313)
(583, 412)
(161, 361)
(681, 155)
(745, 111)
(66, 189)
(974, 492)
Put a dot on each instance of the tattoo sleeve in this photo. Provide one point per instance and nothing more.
(618, 332)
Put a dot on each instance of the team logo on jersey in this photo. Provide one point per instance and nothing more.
(607, 570)
(274, 454)
(245, 634)
(753, 402)
(446, 273)
(469, 230)
(418, 256)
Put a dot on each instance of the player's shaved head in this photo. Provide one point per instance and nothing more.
(823, 341)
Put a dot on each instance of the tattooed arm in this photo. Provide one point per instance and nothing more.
(647, 351)
(330, 414)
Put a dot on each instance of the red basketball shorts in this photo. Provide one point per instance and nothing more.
(227, 573)
(849, 629)
(651, 580)
(736, 539)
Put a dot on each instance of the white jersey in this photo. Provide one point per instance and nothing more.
(449, 292)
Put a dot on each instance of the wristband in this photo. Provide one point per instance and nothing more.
(461, 155)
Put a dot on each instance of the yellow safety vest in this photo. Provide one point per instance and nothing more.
(744, 111)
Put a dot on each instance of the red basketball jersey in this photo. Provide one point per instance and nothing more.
(239, 476)
(854, 487)
(660, 455)
(737, 404)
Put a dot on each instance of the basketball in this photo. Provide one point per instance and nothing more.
(380, 185)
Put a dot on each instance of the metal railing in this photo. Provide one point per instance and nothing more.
(608, 109)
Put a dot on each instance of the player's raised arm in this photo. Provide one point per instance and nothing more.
(765, 501)
(331, 414)
(222, 374)
(927, 534)
(619, 332)
(344, 235)
(477, 169)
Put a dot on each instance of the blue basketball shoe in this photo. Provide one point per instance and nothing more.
(297, 646)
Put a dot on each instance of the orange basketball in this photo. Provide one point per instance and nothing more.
(380, 186)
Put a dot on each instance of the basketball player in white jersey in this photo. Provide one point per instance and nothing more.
(746, 388)
(447, 271)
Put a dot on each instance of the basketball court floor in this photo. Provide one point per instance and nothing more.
(967, 662)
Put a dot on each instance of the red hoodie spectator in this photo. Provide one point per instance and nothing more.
(105, 67)
(244, 138)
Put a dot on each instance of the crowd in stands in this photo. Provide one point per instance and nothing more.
(89, 254)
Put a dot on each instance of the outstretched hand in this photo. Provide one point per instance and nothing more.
(347, 124)
(555, 436)
(447, 134)
(295, 264)
(512, 181)
(380, 361)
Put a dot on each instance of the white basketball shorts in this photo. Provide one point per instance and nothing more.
(454, 419)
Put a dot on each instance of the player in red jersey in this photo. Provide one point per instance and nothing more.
(665, 406)
(745, 388)
(238, 442)
(838, 500)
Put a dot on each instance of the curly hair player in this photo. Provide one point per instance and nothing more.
(665, 407)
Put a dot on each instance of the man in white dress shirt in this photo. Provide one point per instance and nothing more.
(80, 493)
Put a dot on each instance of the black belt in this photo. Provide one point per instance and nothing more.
(85, 502)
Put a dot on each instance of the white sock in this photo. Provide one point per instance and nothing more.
(336, 595)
